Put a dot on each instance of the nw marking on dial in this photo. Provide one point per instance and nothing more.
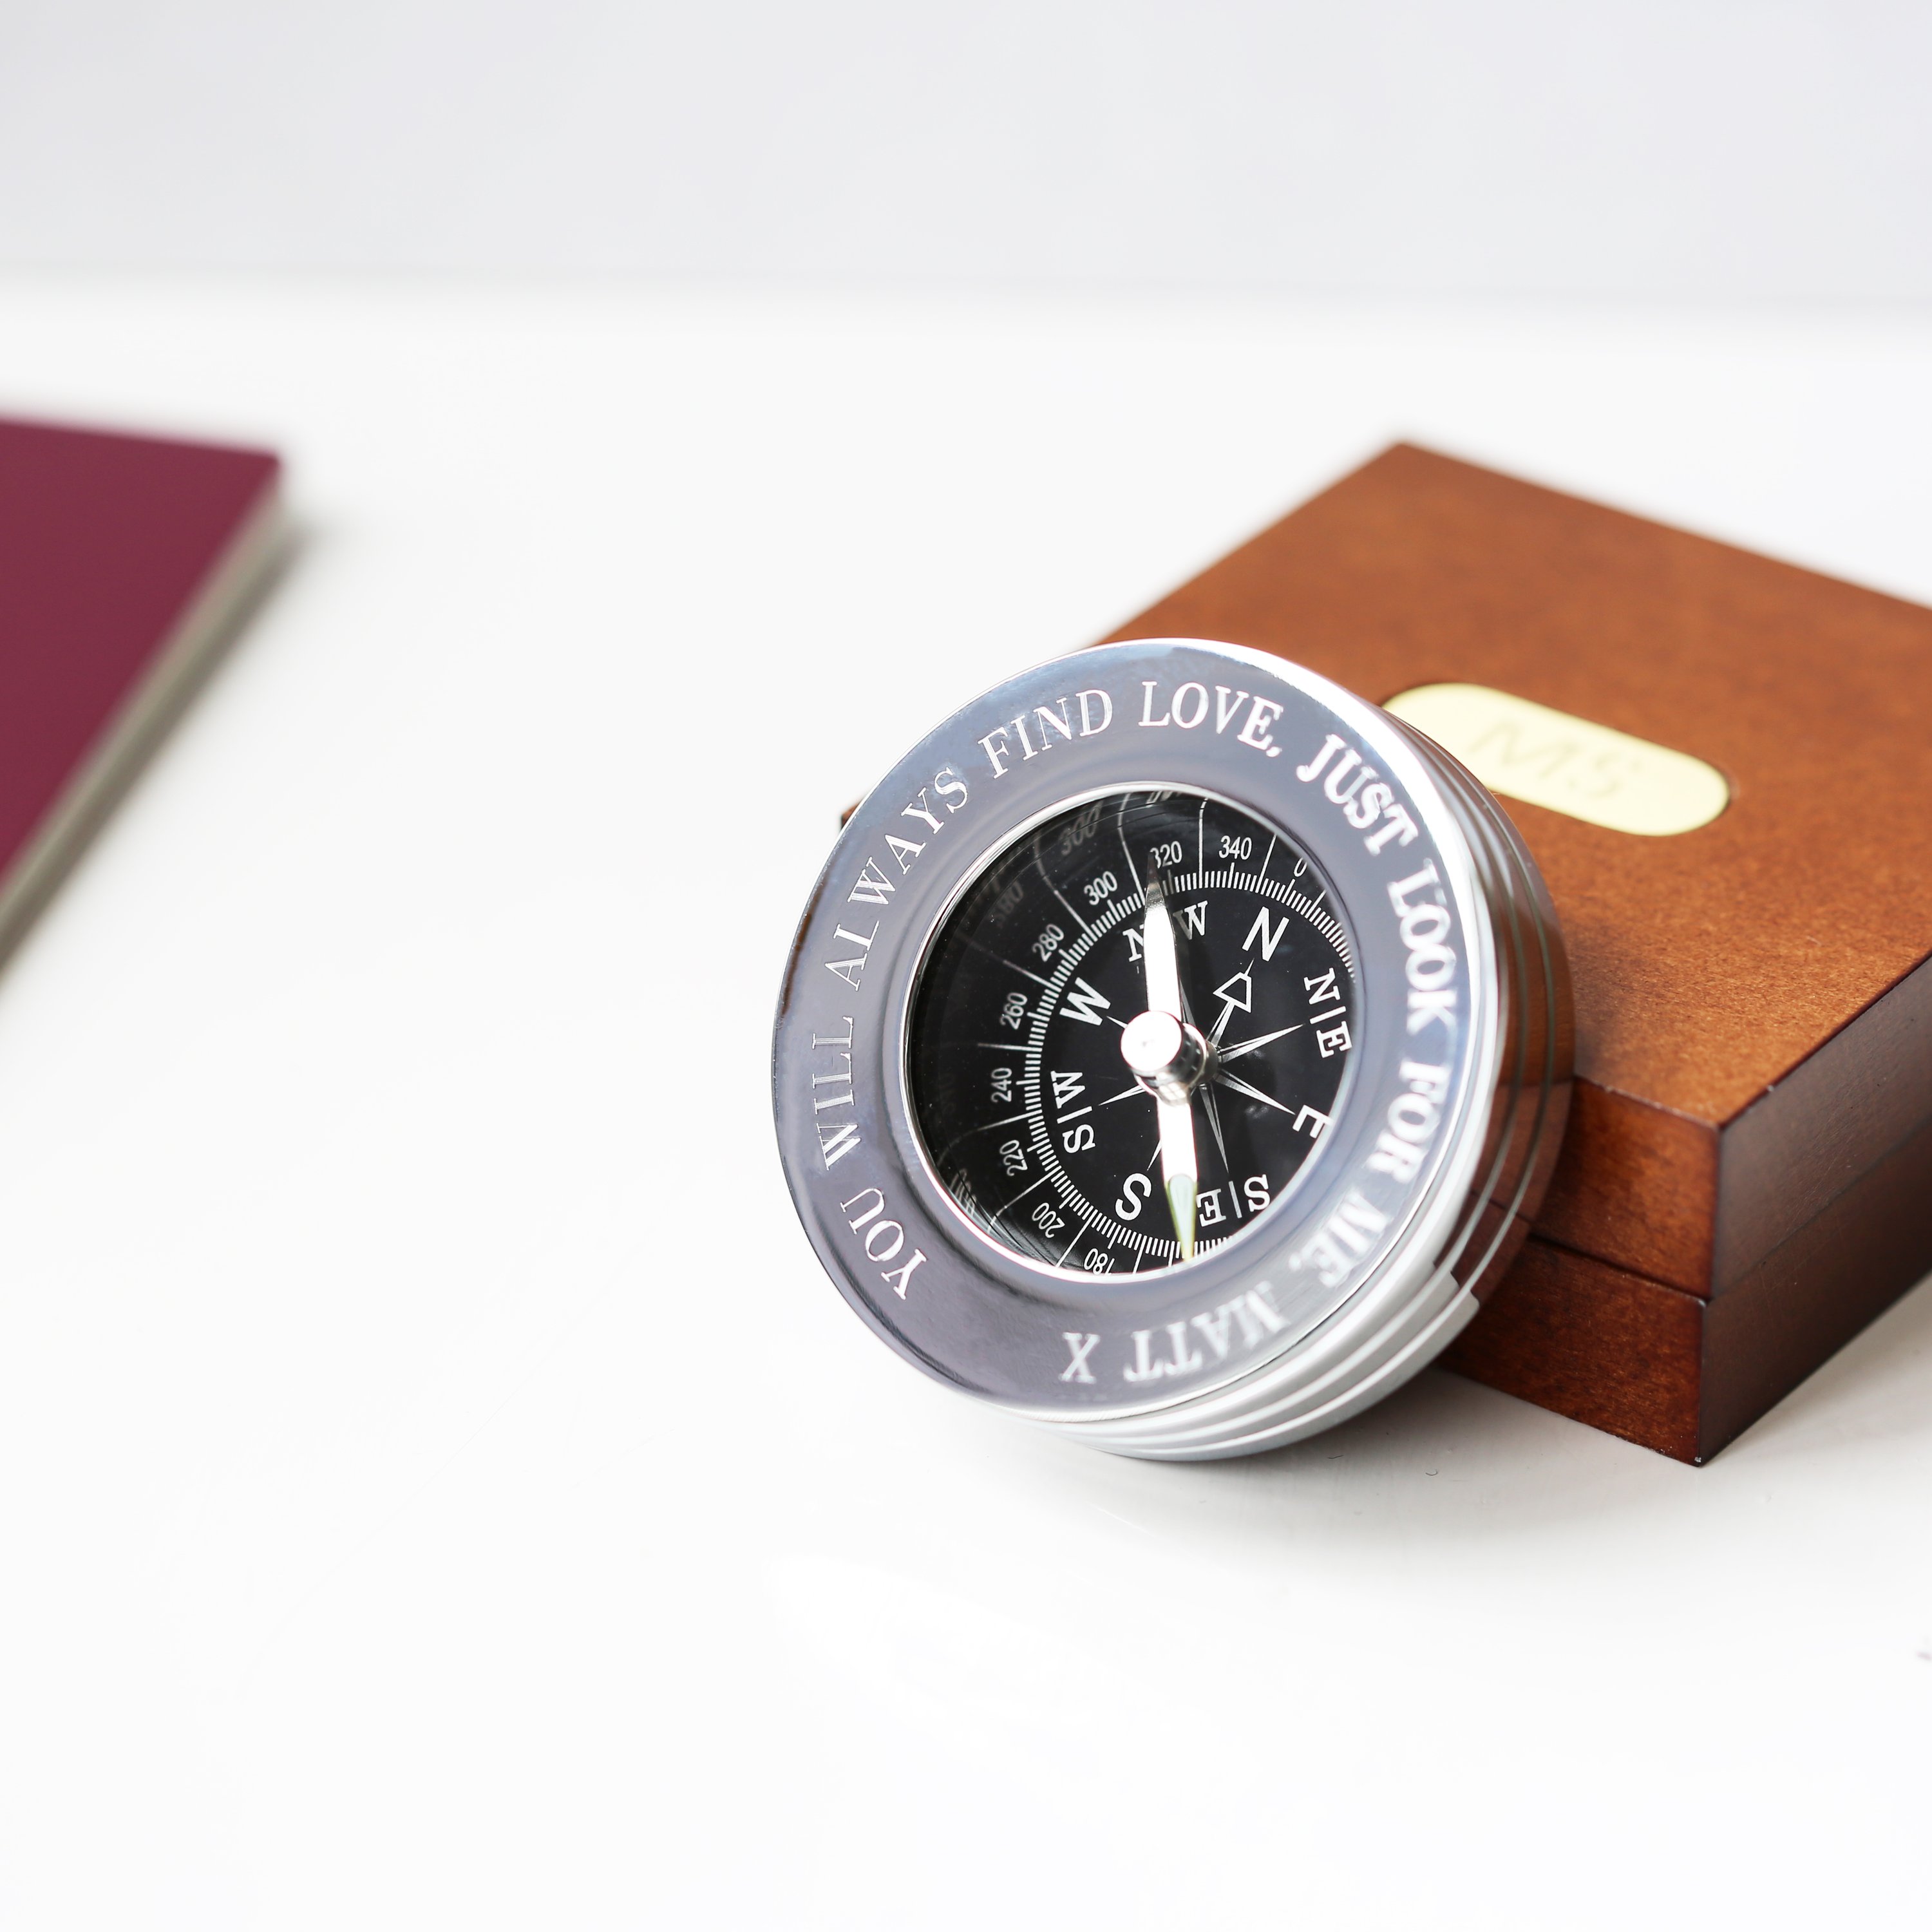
(1034, 1121)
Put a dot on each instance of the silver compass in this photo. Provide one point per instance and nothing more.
(1174, 1052)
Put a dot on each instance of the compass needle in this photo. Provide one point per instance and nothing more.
(1166, 1053)
(1163, 968)
(1181, 1200)
(1180, 1171)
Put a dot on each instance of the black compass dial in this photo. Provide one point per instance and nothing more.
(1131, 1032)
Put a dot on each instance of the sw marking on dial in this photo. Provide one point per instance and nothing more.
(1131, 1031)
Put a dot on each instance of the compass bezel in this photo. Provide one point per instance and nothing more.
(1363, 1273)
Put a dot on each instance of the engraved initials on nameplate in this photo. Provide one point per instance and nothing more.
(1549, 758)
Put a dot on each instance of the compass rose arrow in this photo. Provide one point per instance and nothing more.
(1237, 995)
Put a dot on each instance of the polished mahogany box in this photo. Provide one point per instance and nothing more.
(1746, 1179)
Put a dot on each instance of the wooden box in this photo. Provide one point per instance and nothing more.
(1747, 1176)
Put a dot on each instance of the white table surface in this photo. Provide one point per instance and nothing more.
(437, 1486)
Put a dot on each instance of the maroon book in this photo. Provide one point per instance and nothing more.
(124, 561)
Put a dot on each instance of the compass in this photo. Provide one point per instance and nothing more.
(1174, 1051)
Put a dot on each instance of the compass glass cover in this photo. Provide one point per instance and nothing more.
(1036, 1126)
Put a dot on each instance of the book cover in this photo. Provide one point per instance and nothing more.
(125, 561)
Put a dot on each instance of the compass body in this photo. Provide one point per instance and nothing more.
(1174, 1051)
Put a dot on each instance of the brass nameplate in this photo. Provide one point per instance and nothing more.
(1568, 764)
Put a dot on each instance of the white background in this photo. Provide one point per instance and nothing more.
(437, 1486)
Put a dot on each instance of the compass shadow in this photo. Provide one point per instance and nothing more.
(1445, 1461)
